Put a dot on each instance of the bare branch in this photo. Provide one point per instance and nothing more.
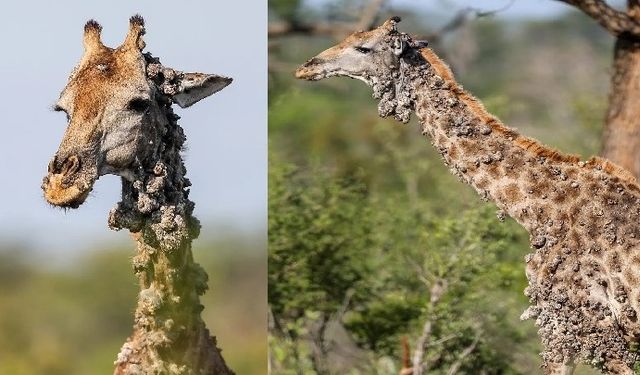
(437, 290)
(468, 350)
(615, 21)
(346, 302)
(418, 355)
(444, 339)
(332, 29)
(335, 30)
(423, 274)
(461, 18)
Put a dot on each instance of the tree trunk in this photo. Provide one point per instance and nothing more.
(621, 136)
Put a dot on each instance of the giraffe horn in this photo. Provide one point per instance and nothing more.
(91, 38)
(136, 31)
(391, 23)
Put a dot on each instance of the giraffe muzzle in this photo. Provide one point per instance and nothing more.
(310, 70)
(66, 185)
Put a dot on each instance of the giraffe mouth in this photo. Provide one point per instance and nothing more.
(58, 192)
(310, 74)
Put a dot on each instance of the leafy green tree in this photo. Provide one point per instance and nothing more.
(319, 236)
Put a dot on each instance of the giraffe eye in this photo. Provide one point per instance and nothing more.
(361, 49)
(139, 104)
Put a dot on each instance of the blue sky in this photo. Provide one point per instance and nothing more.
(226, 156)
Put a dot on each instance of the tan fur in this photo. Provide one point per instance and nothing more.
(60, 195)
(94, 86)
(611, 168)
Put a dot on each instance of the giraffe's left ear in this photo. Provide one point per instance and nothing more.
(194, 87)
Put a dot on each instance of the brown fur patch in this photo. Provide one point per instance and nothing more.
(483, 183)
(512, 193)
(494, 171)
(559, 198)
(469, 147)
(453, 151)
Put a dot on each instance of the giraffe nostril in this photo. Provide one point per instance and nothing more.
(313, 61)
(70, 166)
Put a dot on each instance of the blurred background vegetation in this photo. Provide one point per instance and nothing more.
(72, 316)
(371, 240)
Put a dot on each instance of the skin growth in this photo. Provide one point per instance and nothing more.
(118, 103)
(583, 217)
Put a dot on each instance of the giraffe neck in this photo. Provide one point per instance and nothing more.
(517, 173)
(582, 218)
(155, 208)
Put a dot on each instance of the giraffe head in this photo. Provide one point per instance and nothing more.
(111, 107)
(374, 57)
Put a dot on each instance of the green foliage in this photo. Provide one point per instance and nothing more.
(458, 252)
(73, 319)
(319, 234)
(286, 9)
(327, 264)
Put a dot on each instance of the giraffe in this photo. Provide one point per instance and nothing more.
(118, 103)
(583, 217)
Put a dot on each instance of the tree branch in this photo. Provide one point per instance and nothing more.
(335, 30)
(469, 349)
(633, 7)
(461, 18)
(437, 290)
(615, 21)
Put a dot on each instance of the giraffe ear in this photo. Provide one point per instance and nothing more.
(194, 87)
(420, 44)
(399, 46)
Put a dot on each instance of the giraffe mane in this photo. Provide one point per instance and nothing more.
(529, 144)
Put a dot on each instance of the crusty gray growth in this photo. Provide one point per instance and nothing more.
(583, 221)
(583, 217)
(168, 338)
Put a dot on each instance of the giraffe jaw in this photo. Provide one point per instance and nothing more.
(316, 73)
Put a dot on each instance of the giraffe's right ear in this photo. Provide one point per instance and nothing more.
(194, 87)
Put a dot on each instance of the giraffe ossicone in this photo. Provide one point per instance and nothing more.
(583, 217)
(113, 108)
